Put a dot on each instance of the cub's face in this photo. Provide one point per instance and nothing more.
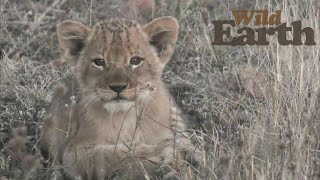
(117, 62)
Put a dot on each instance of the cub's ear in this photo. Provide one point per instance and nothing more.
(72, 38)
(163, 35)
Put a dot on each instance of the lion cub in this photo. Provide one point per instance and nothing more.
(114, 117)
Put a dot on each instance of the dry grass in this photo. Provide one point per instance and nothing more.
(254, 110)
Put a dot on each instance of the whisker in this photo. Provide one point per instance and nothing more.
(82, 90)
(90, 101)
(106, 93)
(92, 97)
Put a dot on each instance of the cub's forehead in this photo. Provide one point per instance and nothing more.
(117, 24)
(117, 31)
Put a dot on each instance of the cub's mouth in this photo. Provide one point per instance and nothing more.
(125, 100)
(106, 95)
(119, 97)
(118, 103)
(128, 95)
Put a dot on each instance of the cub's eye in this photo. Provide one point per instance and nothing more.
(136, 61)
(99, 62)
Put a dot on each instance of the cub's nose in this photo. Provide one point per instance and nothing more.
(118, 87)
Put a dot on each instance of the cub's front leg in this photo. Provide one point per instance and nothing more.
(179, 151)
(105, 161)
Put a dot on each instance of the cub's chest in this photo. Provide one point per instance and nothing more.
(120, 127)
(124, 127)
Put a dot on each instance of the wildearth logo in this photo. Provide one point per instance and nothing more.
(258, 36)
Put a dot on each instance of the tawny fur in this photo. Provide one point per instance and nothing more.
(94, 136)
